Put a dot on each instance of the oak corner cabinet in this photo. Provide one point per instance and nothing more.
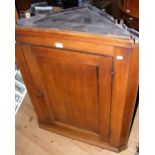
(81, 72)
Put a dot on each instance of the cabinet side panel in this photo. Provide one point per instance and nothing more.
(132, 88)
(120, 66)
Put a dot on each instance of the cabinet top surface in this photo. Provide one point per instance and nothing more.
(81, 19)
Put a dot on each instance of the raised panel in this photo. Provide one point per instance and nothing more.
(73, 91)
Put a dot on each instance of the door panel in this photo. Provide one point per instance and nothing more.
(77, 86)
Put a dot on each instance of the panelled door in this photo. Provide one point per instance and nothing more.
(74, 87)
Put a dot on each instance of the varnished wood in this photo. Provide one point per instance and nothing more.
(30, 139)
(105, 90)
(132, 88)
(131, 5)
(86, 89)
(82, 136)
(48, 37)
(89, 69)
(16, 15)
(42, 112)
(125, 87)
(118, 94)
(23, 5)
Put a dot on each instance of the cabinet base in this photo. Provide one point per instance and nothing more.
(80, 135)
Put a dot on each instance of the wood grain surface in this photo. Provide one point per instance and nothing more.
(32, 140)
(86, 89)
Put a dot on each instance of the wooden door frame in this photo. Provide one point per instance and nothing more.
(104, 65)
